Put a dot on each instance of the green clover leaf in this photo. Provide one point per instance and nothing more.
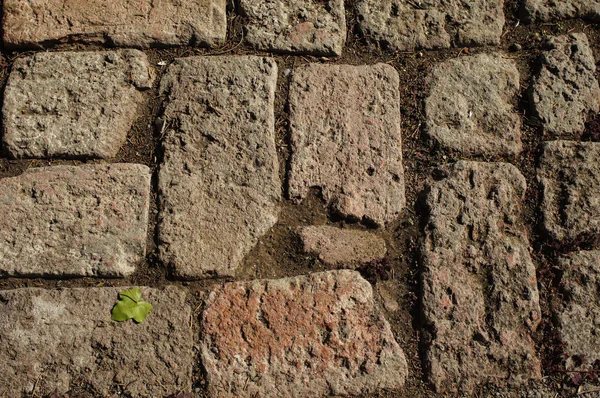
(130, 306)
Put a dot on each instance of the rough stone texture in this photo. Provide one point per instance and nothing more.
(469, 105)
(219, 180)
(342, 247)
(298, 26)
(407, 25)
(74, 220)
(73, 104)
(569, 174)
(546, 10)
(566, 91)
(51, 338)
(345, 132)
(307, 336)
(122, 23)
(579, 317)
(480, 296)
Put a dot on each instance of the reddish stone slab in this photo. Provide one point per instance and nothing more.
(122, 23)
(307, 336)
(345, 128)
(480, 296)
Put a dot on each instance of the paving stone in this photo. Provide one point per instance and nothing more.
(88, 220)
(345, 131)
(566, 91)
(544, 10)
(469, 105)
(121, 23)
(52, 340)
(73, 104)
(569, 174)
(579, 316)
(342, 247)
(407, 25)
(480, 296)
(307, 336)
(297, 26)
(219, 180)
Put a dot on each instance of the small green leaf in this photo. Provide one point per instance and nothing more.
(134, 294)
(130, 306)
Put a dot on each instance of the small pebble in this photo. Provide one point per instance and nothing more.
(515, 47)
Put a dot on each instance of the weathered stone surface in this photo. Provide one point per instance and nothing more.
(74, 220)
(122, 23)
(307, 336)
(73, 104)
(52, 338)
(545, 10)
(480, 296)
(469, 105)
(406, 25)
(579, 317)
(299, 26)
(566, 91)
(342, 247)
(345, 127)
(569, 174)
(219, 179)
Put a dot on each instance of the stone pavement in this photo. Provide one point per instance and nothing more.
(392, 198)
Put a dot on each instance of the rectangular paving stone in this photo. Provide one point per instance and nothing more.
(73, 104)
(296, 26)
(469, 108)
(121, 23)
(219, 180)
(579, 315)
(345, 132)
(565, 92)
(307, 336)
(480, 296)
(88, 220)
(569, 175)
(544, 10)
(406, 25)
(54, 340)
(344, 248)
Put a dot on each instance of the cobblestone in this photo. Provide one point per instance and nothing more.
(544, 10)
(341, 247)
(569, 175)
(566, 92)
(345, 128)
(404, 25)
(218, 182)
(306, 336)
(296, 26)
(140, 24)
(73, 104)
(469, 108)
(74, 220)
(53, 340)
(480, 296)
(579, 317)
